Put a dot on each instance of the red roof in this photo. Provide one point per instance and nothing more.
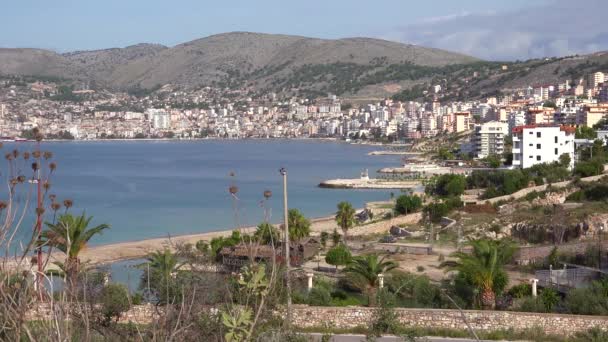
(563, 128)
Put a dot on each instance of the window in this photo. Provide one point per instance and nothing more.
(530, 132)
(538, 134)
(531, 157)
(538, 158)
(538, 146)
(556, 140)
(531, 145)
(555, 151)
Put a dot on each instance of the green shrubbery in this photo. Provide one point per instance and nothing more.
(406, 204)
(114, 301)
(448, 185)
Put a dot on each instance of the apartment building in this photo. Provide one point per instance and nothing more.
(462, 121)
(489, 138)
(592, 114)
(536, 144)
(594, 80)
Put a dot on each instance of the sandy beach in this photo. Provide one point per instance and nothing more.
(138, 249)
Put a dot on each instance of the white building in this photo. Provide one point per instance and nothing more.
(160, 119)
(534, 144)
(489, 138)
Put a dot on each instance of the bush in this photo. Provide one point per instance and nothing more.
(114, 301)
(447, 185)
(338, 256)
(550, 298)
(521, 291)
(598, 192)
(589, 301)
(589, 168)
(319, 297)
(576, 196)
(532, 304)
(408, 204)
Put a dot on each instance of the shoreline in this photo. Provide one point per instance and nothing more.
(370, 184)
(137, 249)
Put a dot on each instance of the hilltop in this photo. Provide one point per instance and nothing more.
(226, 58)
(356, 68)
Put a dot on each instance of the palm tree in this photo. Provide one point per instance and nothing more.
(367, 268)
(162, 267)
(70, 234)
(299, 225)
(484, 267)
(163, 263)
(345, 217)
(267, 234)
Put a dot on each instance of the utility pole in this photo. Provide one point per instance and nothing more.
(283, 172)
(39, 223)
(599, 247)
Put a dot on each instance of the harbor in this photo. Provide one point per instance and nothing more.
(364, 182)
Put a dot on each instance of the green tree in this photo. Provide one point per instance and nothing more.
(483, 268)
(70, 234)
(447, 185)
(299, 225)
(406, 204)
(549, 104)
(267, 234)
(160, 275)
(345, 217)
(324, 238)
(339, 255)
(565, 160)
(367, 268)
(335, 237)
(493, 161)
(584, 132)
(114, 301)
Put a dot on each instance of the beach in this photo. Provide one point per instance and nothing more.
(105, 254)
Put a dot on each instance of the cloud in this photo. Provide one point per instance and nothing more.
(558, 28)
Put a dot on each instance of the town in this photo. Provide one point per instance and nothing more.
(64, 112)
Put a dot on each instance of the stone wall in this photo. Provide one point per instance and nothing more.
(522, 193)
(527, 254)
(351, 317)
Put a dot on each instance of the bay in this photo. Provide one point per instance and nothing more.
(148, 189)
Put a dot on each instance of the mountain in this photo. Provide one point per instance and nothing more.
(223, 59)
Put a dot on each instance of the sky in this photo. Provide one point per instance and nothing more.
(488, 29)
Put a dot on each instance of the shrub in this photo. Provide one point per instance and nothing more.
(338, 256)
(589, 301)
(319, 297)
(532, 304)
(114, 301)
(591, 335)
(521, 291)
(408, 204)
(447, 185)
(576, 196)
(597, 192)
(550, 298)
(589, 168)
(202, 246)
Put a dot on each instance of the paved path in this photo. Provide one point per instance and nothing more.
(361, 338)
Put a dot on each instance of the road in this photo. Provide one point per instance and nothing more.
(361, 338)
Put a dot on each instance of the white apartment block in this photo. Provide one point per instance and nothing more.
(534, 144)
(489, 138)
(595, 79)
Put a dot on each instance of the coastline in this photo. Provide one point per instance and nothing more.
(110, 253)
(128, 250)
